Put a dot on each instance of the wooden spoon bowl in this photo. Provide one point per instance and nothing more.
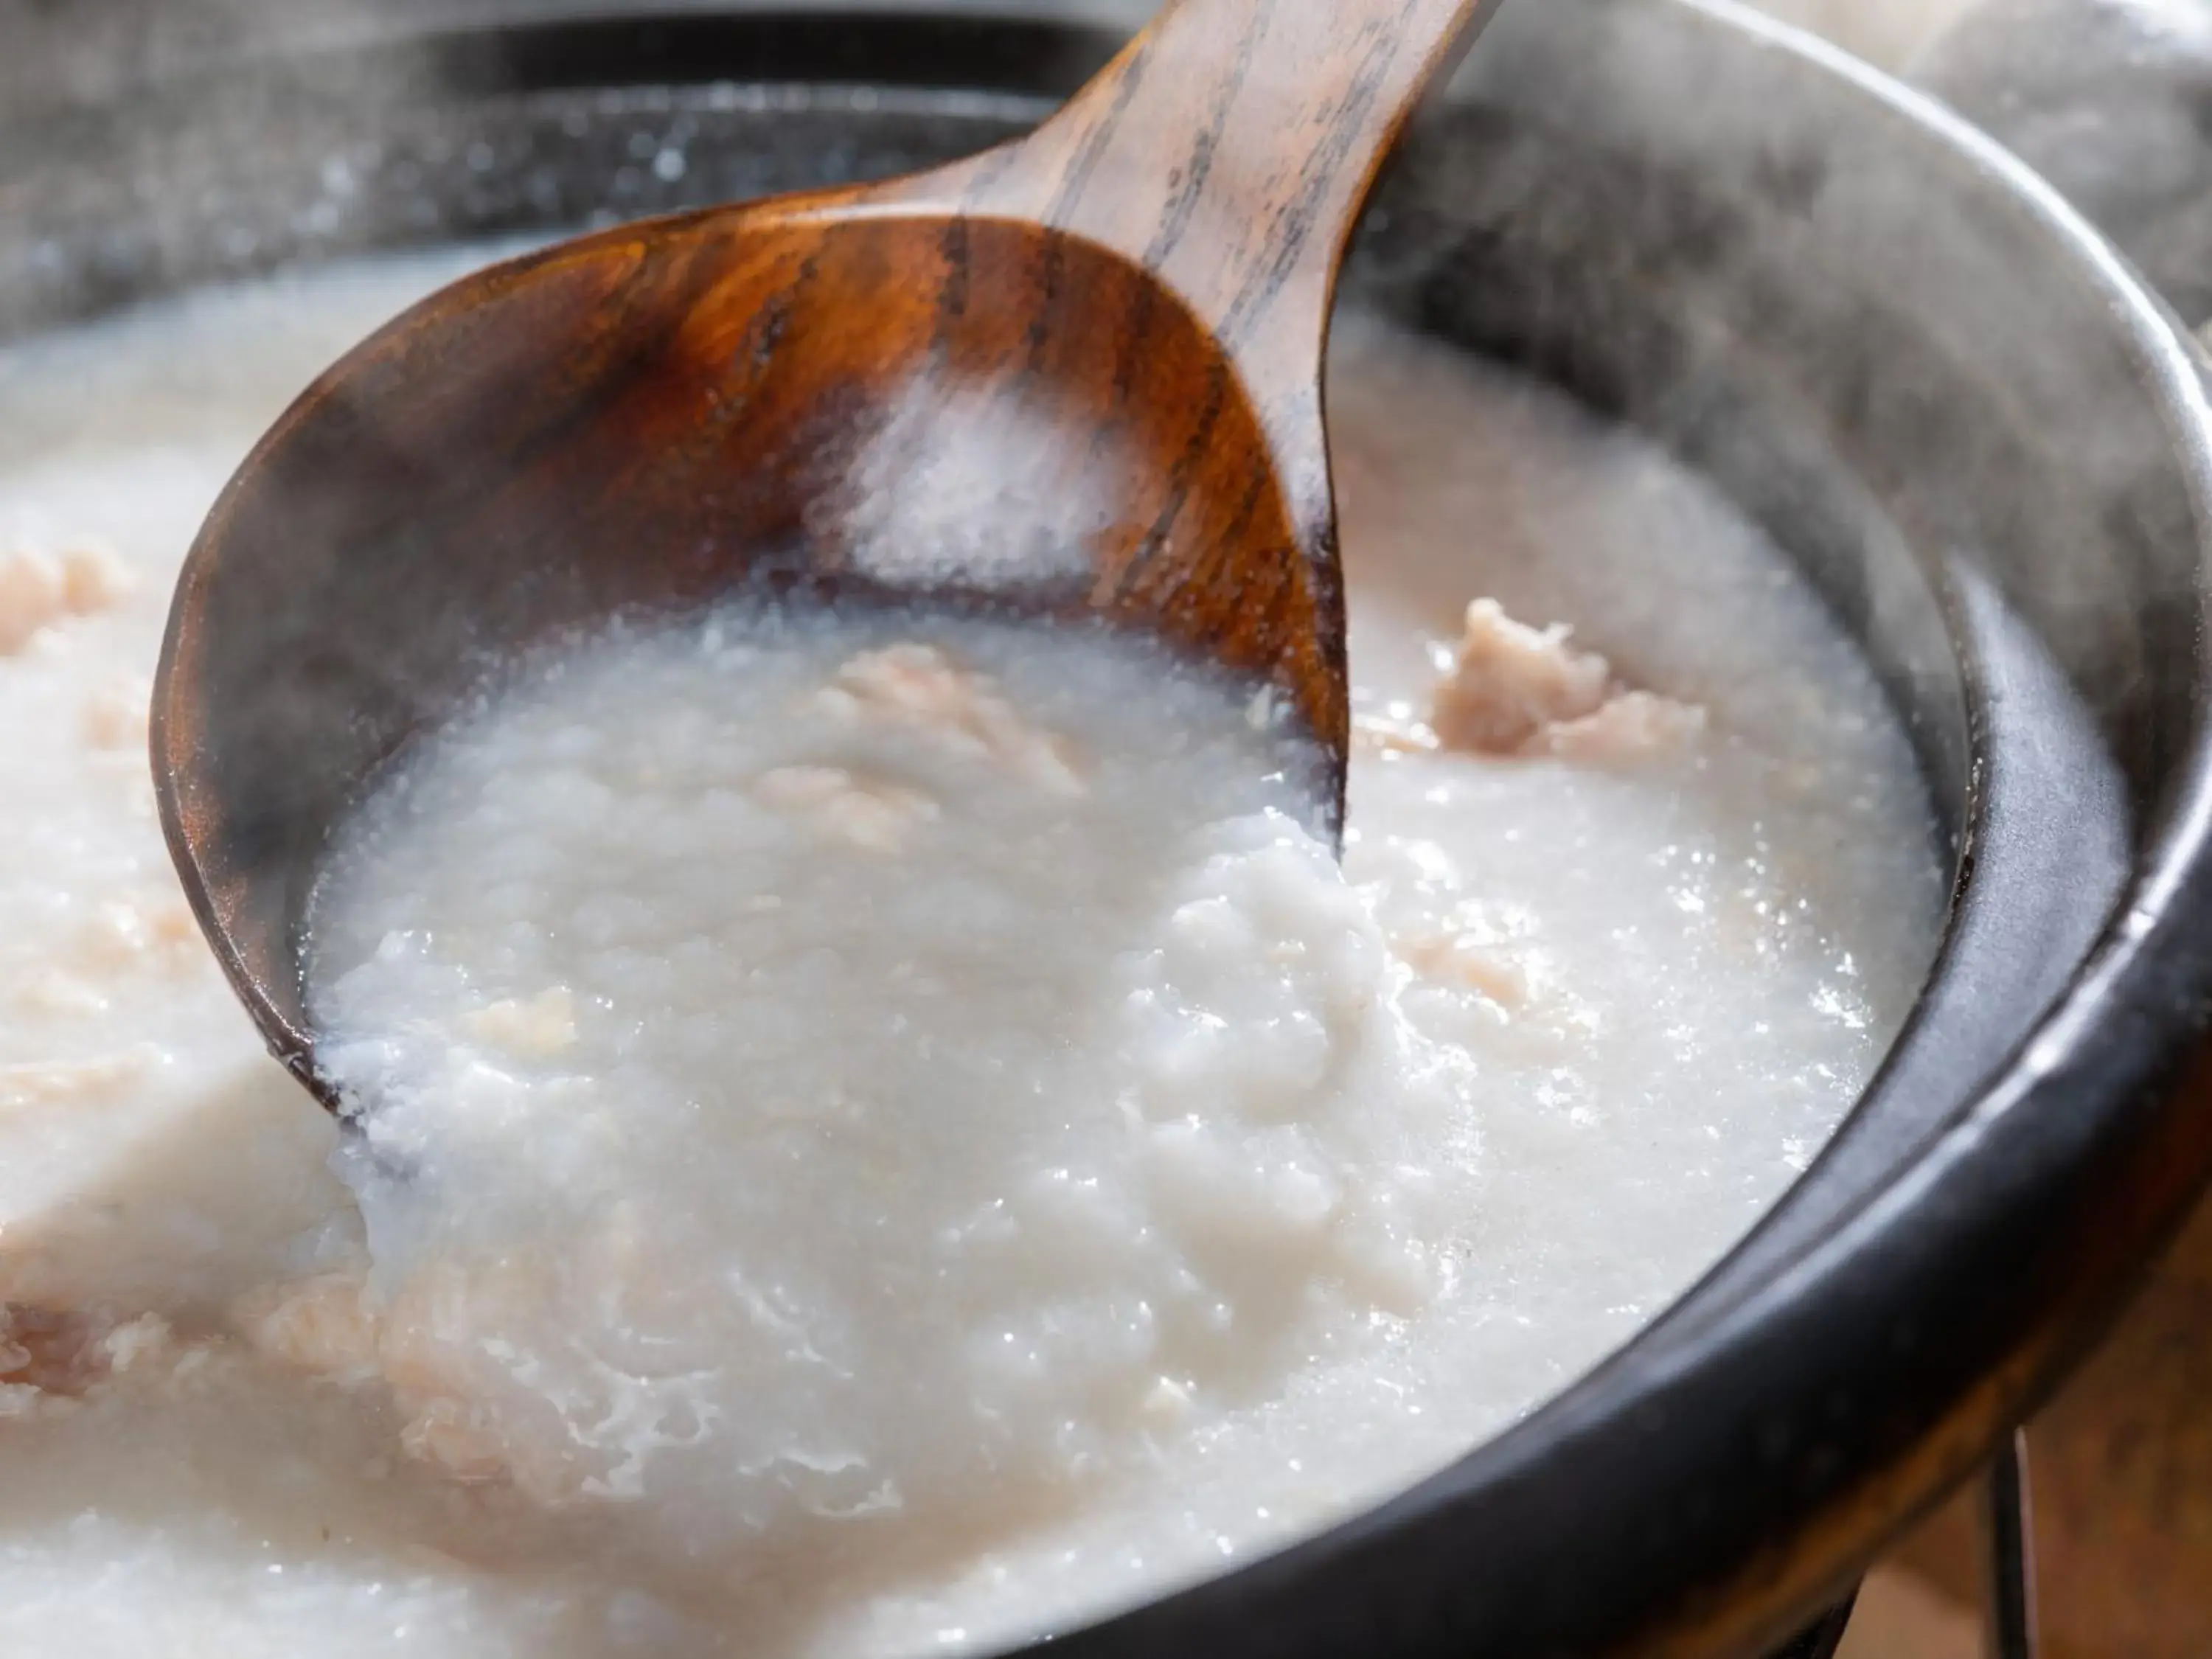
(1076, 377)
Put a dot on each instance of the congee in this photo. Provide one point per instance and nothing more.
(885, 1134)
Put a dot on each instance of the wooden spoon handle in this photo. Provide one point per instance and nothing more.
(1228, 150)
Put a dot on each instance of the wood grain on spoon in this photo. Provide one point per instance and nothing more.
(1108, 335)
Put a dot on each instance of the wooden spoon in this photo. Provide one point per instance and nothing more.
(1077, 374)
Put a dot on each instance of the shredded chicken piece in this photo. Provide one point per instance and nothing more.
(536, 1029)
(57, 991)
(442, 1433)
(465, 1415)
(127, 933)
(49, 1352)
(63, 1354)
(324, 1324)
(115, 715)
(443, 1385)
(38, 588)
(94, 579)
(1631, 726)
(147, 1337)
(330, 1326)
(921, 687)
(1510, 681)
(66, 1083)
(1457, 960)
(433, 1343)
(1517, 690)
(32, 594)
(866, 812)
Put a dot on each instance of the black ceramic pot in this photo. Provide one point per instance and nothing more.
(1891, 343)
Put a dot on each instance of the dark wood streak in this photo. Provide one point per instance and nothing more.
(1296, 220)
(1075, 181)
(1182, 473)
(732, 400)
(1190, 178)
(647, 417)
(1136, 338)
(952, 298)
(1051, 300)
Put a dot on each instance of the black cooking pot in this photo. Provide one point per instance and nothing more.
(1894, 347)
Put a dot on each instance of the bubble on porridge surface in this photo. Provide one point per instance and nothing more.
(1667, 980)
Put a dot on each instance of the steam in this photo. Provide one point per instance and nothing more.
(2105, 99)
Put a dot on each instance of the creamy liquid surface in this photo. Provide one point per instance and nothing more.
(1644, 989)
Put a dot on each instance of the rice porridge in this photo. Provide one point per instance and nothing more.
(886, 1135)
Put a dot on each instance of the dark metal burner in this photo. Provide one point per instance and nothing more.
(1893, 346)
